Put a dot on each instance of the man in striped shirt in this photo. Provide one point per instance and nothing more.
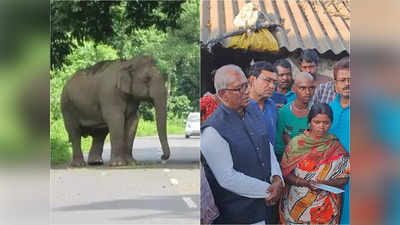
(324, 93)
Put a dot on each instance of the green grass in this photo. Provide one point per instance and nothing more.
(149, 128)
(61, 149)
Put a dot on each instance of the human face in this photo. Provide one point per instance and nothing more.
(264, 84)
(319, 125)
(309, 67)
(304, 90)
(342, 82)
(236, 95)
(284, 77)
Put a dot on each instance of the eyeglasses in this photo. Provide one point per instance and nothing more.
(243, 87)
(270, 81)
(344, 80)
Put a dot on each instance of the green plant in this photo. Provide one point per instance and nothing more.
(146, 111)
(178, 106)
(60, 147)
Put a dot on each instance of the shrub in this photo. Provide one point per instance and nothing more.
(61, 151)
(146, 111)
(178, 106)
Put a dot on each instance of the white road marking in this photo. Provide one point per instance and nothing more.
(174, 181)
(167, 170)
(189, 202)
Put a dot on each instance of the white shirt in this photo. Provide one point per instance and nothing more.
(218, 156)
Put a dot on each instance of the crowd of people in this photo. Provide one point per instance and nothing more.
(271, 142)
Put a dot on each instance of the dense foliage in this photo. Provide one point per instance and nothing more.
(82, 20)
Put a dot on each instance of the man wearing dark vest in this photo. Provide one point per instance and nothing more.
(240, 164)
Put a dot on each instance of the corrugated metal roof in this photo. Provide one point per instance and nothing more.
(314, 24)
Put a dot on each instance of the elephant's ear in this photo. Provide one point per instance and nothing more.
(124, 82)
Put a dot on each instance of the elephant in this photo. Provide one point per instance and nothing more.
(104, 98)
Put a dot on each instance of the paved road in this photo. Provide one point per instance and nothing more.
(148, 149)
(168, 193)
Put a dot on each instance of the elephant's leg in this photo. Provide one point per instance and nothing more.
(74, 134)
(131, 129)
(96, 151)
(118, 140)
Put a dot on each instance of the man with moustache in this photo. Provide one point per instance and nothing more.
(283, 92)
(262, 80)
(341, 120)
(325, 92)
(240, 167)
(292, 117)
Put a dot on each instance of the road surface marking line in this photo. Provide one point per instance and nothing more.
(173, 181)
(167, 170)
(189, 202)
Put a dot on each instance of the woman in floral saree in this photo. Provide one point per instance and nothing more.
(314, 157)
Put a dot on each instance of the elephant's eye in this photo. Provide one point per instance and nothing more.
(147, 79)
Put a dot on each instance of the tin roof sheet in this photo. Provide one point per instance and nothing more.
(319, 24)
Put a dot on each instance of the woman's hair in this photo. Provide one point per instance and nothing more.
(320, 108)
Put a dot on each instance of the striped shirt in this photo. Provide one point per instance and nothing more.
(324, 93)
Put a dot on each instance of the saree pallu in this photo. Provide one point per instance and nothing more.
(325, 159)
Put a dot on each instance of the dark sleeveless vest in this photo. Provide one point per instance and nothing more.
(249, 146)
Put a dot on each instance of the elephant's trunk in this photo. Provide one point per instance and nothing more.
(160, 105)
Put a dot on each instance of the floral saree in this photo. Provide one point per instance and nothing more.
(313, 159)
(208, 104)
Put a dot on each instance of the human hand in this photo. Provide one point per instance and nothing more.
(278, 106)
(337, 182)
(274, 190)
(311, 186)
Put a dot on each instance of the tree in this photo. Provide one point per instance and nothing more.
(83, 20)
(186, 51)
